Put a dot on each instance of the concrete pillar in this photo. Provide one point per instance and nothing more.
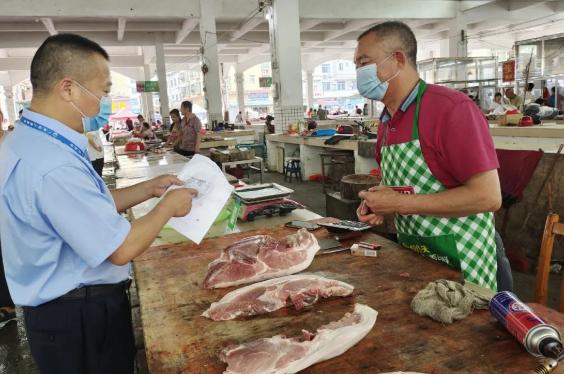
(240, 80)
(284, 29)
(147, 97)
(212, 85)
(161, 74)
(309, 89)
(456, 45)
(10, 107)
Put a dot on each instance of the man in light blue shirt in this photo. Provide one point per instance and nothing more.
(66, 248)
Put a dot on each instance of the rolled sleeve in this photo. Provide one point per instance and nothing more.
(466, 144)
(83, 215)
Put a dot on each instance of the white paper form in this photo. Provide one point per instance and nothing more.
(214, 190)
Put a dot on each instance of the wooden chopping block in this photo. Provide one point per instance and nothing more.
(219, 156)
(352, 184)
(247, 153)
(235, 155)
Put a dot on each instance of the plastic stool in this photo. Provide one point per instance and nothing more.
(292, 169)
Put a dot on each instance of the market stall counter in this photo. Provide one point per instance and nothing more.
(178, 339)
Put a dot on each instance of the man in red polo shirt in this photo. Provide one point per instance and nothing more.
(435, 144)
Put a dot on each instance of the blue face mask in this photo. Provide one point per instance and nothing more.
(368, 83)
(102, 118)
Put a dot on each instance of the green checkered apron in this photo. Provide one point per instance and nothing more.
(465, 243)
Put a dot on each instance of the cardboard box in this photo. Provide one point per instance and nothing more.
(509, 119)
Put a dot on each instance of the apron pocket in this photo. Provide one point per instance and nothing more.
(440, 248)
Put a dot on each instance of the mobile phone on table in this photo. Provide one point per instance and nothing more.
(303, 225)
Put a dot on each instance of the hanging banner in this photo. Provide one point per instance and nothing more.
(508, 70)
(147, 86)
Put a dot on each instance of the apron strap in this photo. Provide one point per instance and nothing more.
(415, 128)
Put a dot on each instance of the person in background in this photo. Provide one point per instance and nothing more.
(20, 113)
(174, 127)
(188, 142)
(365, 109)
(146, 132)
(129, 124)
(545, 95)
(529, 93)
(159, 124)
(552, 99)
(66, 248)
(239, 117)
(269, 125)
(309, 112)
(140, 120)
(96, 151)
(513, 98)
(497, 105)
(137, 130)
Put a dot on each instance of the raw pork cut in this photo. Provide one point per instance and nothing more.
(261, 257)
(281, 355)
(299, 290)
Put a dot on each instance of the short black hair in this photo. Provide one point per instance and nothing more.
(402, 32)
(186, 104)
(140, 116)
(59, 56)
(498, 94)
(175, 112)
(146, 125)
(553, 89)
(530, 86)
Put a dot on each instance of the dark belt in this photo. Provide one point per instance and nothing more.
(96, 290)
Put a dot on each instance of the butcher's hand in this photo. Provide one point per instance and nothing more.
(178, 202)
(381, 200)
(365, 215)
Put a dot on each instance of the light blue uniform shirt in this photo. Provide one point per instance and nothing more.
(58, 220)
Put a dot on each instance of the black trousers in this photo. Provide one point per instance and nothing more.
(184, 153)
(93, 335)
(5, 299)
(504, 275)
(98, 165)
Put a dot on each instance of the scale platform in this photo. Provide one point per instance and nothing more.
(268, 199)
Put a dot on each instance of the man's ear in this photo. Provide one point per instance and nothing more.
(401, 58)
(64, 89)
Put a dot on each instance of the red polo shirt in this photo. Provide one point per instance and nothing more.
(453, 133)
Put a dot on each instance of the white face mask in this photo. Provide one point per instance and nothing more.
(98, 121)
(368, 83)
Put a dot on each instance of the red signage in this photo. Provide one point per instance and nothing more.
(508, 71)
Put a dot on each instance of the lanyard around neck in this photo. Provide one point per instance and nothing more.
(55, 135)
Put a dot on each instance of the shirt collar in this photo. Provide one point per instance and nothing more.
(77, 138)
(385, 117)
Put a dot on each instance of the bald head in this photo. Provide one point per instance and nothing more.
(65, 56)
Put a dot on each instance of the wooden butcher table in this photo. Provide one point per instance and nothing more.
(179, 340)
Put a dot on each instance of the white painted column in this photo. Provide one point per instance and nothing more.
(212, 85)
(240, 80)
(161, 75)
(284, 29)
(10, 107)
(147, 97)
(309, 89)
(456, 45)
